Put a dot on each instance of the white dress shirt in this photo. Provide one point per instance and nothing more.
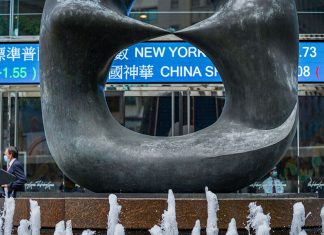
(10, 163)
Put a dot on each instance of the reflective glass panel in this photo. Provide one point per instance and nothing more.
(311, 143)
(4, 17)
(43, 174)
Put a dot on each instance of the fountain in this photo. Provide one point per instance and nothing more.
(60, 228)
(197, 228)
(322, 217)
(113, 215)
(68, 229)
(35, 217)
(88, 232)
(169, 224)
(156, 230)
(232, 230)
(114, 227)
(9, 209)
(119, 230)
(24, 227)
(298, 220)
(1, 222)
(261, 224)
(257, 221)
(213, 207)
(253, 211)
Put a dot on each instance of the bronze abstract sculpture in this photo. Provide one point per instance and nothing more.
(254, 45)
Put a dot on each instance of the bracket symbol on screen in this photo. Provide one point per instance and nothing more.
(317, 72)
(35, 73)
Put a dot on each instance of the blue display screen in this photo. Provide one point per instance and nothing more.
(163, 62)
(19, 63)
(151, 62)
(311, 62)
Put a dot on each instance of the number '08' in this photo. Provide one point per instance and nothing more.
(304, 71)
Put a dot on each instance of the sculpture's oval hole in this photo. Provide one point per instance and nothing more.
(152, 85)
(171, 15)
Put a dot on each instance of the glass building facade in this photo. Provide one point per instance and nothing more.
(22, 17)
(159, 110)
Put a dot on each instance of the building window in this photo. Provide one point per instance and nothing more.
(195, 3)
(145, 15)
(174, 4)
(4, 18)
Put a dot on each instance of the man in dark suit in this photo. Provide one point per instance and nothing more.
(16, 168)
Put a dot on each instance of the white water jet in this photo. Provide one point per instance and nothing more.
(88, 232)
(113, 215)
(303, 232)
(169, 224)
(24, 227)
(6, 192)
(257, 220)
(68, 229)
(9, 211)
(253, 211)
(119, 230)
(60, 228)
(261, 224)
(213, 207)
(196, 230)
(232, 229)
(263, 229)
(35, 218)
(1, 222)
(298, 220)
(156, 230)
(322, 217)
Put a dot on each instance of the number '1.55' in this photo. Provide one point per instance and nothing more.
(16, 72)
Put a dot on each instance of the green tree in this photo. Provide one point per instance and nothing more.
(29, 25)
(4, 27)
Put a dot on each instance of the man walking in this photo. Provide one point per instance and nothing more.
(15, 168)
